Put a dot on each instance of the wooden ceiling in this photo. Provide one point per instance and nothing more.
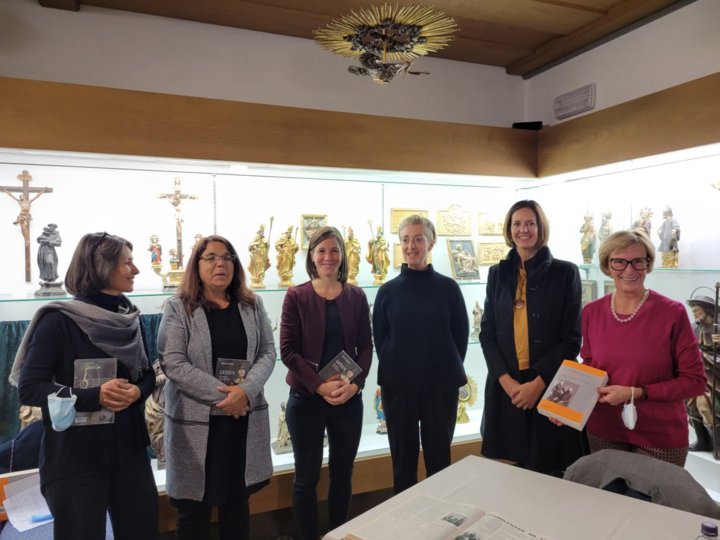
(523, 36)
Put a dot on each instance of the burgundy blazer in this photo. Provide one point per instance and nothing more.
(302, 334)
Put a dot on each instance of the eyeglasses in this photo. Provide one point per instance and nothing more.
(641, 263)
(212, 258)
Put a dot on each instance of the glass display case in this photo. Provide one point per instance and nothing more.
(123, 195)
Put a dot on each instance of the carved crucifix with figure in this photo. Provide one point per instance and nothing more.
(24, 217)
(176, 198)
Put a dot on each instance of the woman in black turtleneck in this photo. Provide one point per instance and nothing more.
(420, 326)
(87, 471)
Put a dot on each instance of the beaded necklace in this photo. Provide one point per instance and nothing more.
(632, 315)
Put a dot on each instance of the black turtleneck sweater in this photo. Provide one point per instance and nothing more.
(420, 326)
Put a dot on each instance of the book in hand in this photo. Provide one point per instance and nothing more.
(91, 373)
(572, 394)
(230, 371)
(342, 365)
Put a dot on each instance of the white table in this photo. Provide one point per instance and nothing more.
(550, 506)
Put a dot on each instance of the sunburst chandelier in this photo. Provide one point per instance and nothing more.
(387, 39)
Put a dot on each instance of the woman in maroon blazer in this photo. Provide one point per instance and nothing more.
(320, 318)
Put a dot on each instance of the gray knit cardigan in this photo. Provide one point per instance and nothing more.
(185, 351)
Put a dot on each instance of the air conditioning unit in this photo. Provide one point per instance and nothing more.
(575, 102)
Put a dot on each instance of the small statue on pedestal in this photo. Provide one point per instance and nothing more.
(378, 257)
(644, 220)
(588, 240)
(48, 262)
(352, 252)
(259, 260)
(174, 261)
(286, 248)
(477, 318)
(378, 406)
(669, 233)
(155, 250)
(283, 444)
(606, 228)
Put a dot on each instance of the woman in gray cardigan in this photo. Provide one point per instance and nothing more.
(217, 430)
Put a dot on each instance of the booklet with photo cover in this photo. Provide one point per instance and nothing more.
(572, 394)
(91, 373)
(230, 371)
(341, 365)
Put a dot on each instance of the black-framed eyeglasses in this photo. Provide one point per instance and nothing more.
(97, 244)
(641, 263)
(212, 258)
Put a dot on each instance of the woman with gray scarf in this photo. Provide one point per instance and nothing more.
(87, 471)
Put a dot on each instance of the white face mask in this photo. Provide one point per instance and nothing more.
(62, 410)
(629, 413)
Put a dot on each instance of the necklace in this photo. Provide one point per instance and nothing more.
(631, 316)
(519, 300)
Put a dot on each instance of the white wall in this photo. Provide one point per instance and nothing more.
(680, 47)
(119, 49)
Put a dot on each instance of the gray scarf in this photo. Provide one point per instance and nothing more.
(116, 334)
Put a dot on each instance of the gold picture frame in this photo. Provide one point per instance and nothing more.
(398, 256)
(491, 252)
(398, 214)
(309, 223)
(463, 263)
(455, 221)
(490, 224)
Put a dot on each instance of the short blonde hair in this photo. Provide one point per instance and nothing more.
(622, 240)
(415, 219)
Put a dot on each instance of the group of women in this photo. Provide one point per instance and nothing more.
(217, 434)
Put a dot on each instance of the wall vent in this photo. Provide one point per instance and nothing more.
(575, 102)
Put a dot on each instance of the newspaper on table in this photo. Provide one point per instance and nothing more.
(432, 518)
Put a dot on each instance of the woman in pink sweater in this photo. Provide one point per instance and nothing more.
(646, 344)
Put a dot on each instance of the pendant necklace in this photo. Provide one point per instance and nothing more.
(632, 315)
(519, 302)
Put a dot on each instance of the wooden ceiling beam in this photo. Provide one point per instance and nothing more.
(625, 14)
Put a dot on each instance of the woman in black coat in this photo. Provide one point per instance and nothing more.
(531, 323)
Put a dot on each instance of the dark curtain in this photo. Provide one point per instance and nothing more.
(11, 333)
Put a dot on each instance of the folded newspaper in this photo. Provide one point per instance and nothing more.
(432, 518)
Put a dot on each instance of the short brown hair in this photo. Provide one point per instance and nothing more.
(190, 290)
(622, 240)
(543, 234)
(93, 263)
(320, 235)
(416, 219)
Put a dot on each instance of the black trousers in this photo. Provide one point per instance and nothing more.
(193, 519)
(307, 419)
(126, 490)
(436, 415)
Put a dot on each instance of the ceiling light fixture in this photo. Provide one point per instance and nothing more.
(387, 39)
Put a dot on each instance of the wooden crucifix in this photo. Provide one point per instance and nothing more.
(24, 217)
(176, 198)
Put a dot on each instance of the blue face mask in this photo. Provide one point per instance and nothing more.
(62, 410)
